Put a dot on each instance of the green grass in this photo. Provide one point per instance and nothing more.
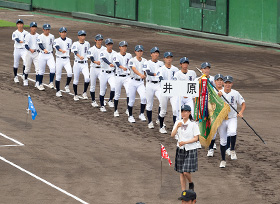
(9, 24)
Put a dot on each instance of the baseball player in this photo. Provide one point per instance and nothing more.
(122, 78)
(167, 73)
(228, 127)
(80, 49)
(219, 82)
(136, 83)
(63, 49)
(45, 42)
(205, 68)
(107, 73)
(95, 65)
(186, 75)
(19, 49)
(32, 53)
(153, 83)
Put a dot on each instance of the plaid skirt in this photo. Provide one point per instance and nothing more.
(186, 161)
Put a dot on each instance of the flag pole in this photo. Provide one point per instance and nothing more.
(27, 113)
(160, 166)
(234, 109)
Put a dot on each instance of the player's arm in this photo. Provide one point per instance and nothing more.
(137, 72)
(107, 61)
(243, 106)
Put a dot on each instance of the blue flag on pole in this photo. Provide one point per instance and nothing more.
(32, 108)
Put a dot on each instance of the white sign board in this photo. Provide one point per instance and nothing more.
(180, 88)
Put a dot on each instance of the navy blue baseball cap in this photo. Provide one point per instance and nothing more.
(205, 64)
(62, 29)
(99, 37)
(123, 43)
(154, 49)
(184, 60)
(138, 48)
(218, 76)
(19, 21)
(185, 108)
(187, 195)
(167, 54)
(109, 41)
(33, 24)
(81, 32)
(228, 78)
(46, 26)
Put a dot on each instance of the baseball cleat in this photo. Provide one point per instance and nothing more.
(41, 87)
(127, 112)
(103, 109)
(131, 119)
(163, 130)
(116, 113)
(151, 125)
(228, 151)
(223, 164)
(111, 104)
(94, 104)
(16, 79)
(58, 94)
(85, 97)
(25, 82)
(76, 98)
(142, 117)
(67, 90)
(51, 85)
(233, 155)
(210, 153)
(215, 146)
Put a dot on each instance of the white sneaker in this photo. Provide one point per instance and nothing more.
(36, 84)
(233, 155)
(41, 87)
(142, 117)
(58, 94)
(131, 119)
(103, 109)
(215, 146)
(111, 104)
(85, 97)
(94, 104)
(67, 90)
(25, 82)
(223, 164)
(151, 125)
(16, 79)
(228, 151)
(76, 98)
(51, 85)
(116, 113)
(210, 153)
(163, 130)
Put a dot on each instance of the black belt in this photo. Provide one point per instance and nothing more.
(122, 75)
(63, 57)
(154, 82)
(81, 62)
(97, 67)
(137, 79)
(47, 53)
(107, 72)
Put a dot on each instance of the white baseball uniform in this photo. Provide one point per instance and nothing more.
(19, 49)
(63, 59)
(153, 83)
(136, 83)
(31, 42)
(80, 65)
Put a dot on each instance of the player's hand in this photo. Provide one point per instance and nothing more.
(220, 93)
(179, 124)
(63, 51)
(240, 114)
(97, 62)
(124, 69)
(46, 51)
(31, 50)
(81, 57)
(185, 97)
(111, 65)
(182, 143)
(142, 76)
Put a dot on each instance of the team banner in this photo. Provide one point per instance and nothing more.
(210, 110)
(32, 108)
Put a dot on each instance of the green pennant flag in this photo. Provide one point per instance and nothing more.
(209, 114)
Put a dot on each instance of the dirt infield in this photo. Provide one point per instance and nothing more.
(103, 160)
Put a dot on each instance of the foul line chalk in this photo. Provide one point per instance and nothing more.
(43, 180)
(9, 138)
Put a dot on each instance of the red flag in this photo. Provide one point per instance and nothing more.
(164, 154)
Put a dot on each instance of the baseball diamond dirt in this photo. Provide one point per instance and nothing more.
(105, 160)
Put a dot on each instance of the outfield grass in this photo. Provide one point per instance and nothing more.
(9, 24)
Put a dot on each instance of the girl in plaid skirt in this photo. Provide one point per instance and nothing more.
(186, 131)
